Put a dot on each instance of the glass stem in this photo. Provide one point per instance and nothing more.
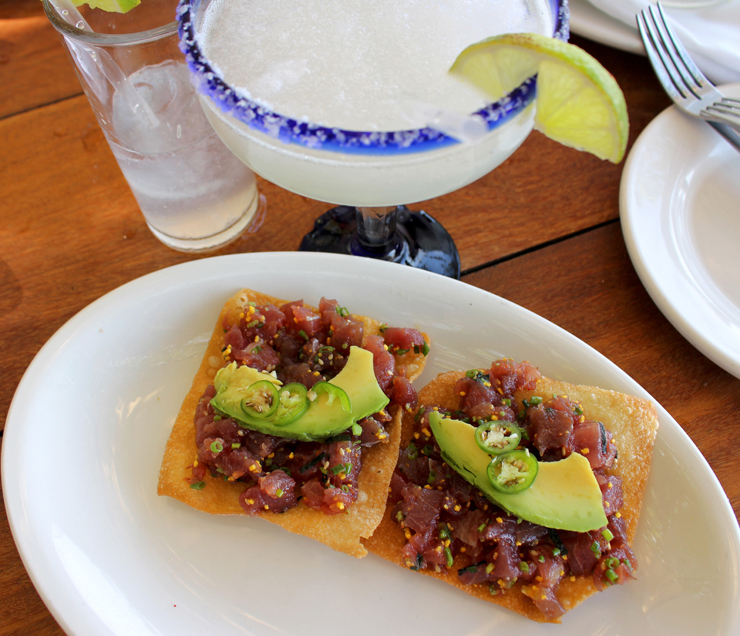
(376, 228)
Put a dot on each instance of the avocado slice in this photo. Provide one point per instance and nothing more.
(325, 415)
(231, 382)
(565, 494)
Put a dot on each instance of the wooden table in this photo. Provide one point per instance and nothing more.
(542, 231)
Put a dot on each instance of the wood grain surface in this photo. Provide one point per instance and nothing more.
(542, 231)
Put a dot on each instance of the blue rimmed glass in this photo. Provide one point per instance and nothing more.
(368, 173)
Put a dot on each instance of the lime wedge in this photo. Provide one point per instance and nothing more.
(579, 103)
(114, 6)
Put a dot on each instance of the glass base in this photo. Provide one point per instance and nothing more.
(419, 240)
(250, 221)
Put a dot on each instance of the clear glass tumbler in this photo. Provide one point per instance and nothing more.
(194, 193)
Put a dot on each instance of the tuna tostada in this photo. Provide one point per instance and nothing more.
(518, 489)
(295, 416)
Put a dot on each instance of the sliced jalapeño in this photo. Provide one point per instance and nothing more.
(498, 437)
(513, 472)
(261, 399)
(332, 392)
(292, 402)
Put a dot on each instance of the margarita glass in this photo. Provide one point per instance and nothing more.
(361, 152)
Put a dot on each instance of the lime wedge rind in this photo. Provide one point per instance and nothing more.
(579, 103)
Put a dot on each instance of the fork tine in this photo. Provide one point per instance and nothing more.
(725, 111)
(728, 106)
(671, 84)
(699, 78)
(687, 86)
(678, 55)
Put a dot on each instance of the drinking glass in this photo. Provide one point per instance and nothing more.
(194, 194)
(372, 175)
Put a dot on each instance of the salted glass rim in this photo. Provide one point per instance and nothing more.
(211, 83)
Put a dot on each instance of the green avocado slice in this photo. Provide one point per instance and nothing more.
(564, 496)
(325, 415)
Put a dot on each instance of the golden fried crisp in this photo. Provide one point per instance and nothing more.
(632, 421)
(340, 532)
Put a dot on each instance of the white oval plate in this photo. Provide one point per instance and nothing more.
(680, 212)
(88, 424)
(586, 20)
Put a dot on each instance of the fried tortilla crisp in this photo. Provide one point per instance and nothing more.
(342, 532)
(633, 424)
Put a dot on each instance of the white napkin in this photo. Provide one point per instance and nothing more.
(710, 34)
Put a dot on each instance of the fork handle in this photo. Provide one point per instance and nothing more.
(728, 132)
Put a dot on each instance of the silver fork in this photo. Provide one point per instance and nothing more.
(686, 85)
